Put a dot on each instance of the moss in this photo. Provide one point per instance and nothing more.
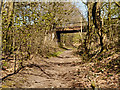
(4, 86)
(7, 84)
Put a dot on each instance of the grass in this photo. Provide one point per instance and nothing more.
(55, 54)
(5, 63)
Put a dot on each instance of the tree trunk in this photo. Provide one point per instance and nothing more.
(0, 38)
(88, 36)
(98, 22)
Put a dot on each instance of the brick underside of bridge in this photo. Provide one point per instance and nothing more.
(70, 31)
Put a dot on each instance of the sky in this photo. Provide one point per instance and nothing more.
(79, 4)
(82, 8)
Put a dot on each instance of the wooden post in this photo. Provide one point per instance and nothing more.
(81, 24)
(81, 29)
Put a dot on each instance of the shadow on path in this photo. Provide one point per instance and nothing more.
(65, 48)
(30, 66)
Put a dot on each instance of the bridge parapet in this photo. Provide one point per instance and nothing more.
(71, 28)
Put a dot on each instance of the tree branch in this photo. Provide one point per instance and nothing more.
(83, 2)
(117, 3)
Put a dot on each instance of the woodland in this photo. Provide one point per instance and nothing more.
(32, 57)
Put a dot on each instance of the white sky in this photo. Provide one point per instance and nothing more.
(82, 7)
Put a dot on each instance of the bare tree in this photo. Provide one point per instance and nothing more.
(98, 22)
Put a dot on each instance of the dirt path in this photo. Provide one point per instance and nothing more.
(64, 71)
(57, 72)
